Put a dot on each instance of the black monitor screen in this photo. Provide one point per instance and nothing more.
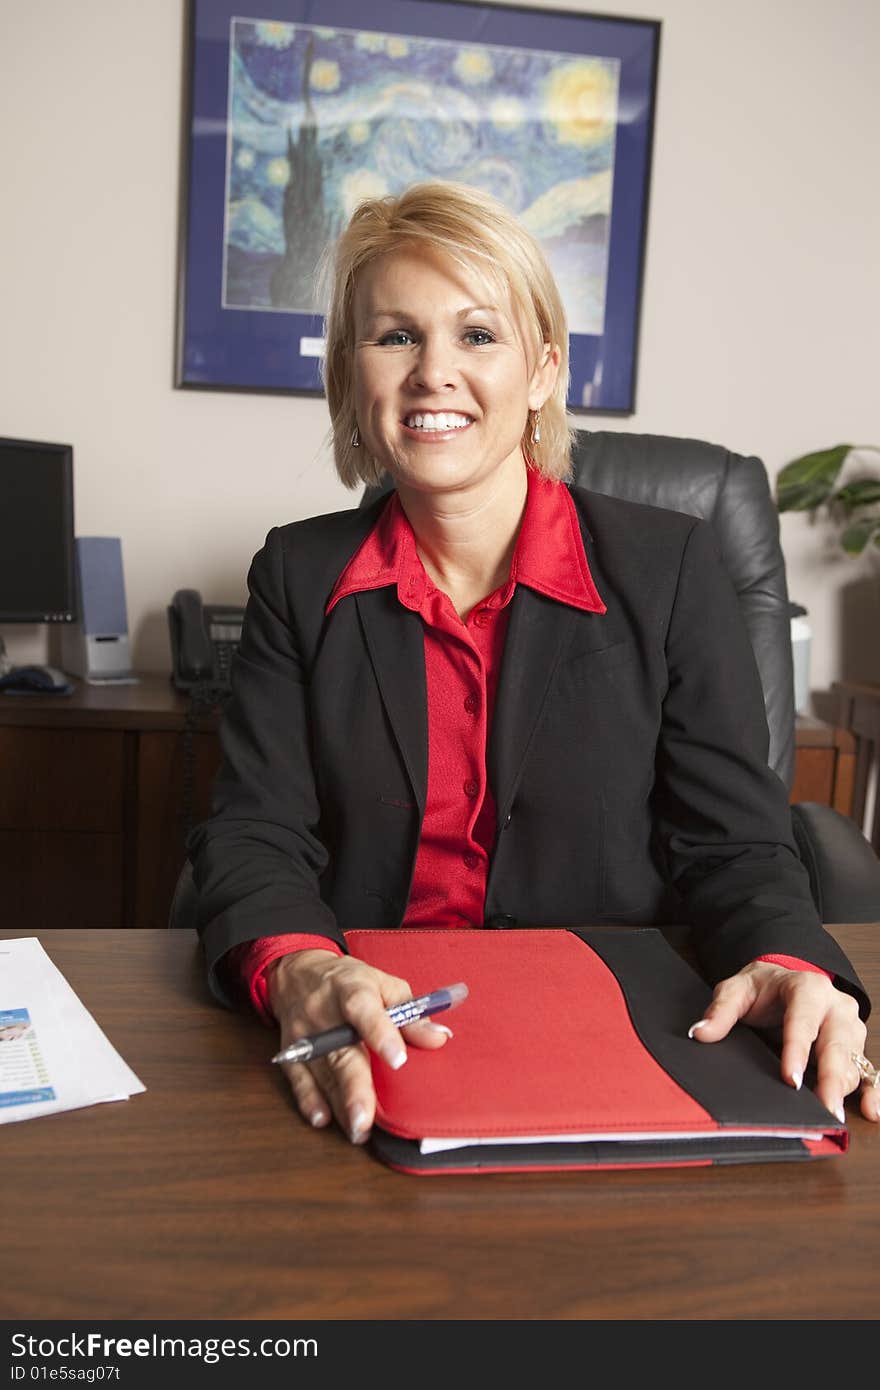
(37, 582)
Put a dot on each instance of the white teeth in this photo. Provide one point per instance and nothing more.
(442, 420)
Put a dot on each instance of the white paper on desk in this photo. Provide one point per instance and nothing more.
(53, 1055)
(436, 1146)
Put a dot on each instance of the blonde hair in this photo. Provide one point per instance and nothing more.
(479, 234)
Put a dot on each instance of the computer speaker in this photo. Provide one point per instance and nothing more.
(97, 647)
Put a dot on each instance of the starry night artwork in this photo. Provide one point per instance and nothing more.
(295, 122)
(321, 118)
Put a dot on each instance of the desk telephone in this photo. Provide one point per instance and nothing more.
(203, 640)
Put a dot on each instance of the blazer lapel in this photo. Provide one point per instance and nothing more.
(397, 651)
(538, 632)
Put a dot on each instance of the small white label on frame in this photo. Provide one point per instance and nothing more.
(311, 347)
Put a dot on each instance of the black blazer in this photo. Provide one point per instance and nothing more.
(628, 755)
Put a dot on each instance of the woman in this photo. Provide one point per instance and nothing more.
(490, 699)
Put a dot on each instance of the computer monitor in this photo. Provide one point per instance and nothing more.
(37, 570)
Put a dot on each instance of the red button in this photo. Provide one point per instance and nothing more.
(471, 704)
(482, 618)
(471, 788)
(471, 860)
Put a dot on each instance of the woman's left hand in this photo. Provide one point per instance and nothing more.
(813, 1014)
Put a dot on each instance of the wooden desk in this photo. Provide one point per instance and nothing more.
(207, 1197)
(94, 786)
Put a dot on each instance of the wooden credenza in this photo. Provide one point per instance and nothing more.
(825, 765)
(858, 711)
(97, 790)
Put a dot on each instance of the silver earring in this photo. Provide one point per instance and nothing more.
(536, 428)
(356, 438)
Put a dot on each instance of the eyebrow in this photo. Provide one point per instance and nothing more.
(406, 313)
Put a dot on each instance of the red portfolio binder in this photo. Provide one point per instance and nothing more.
(571, 1051)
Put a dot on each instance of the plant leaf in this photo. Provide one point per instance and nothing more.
(861, 492)
(860, 533)
(807, 482)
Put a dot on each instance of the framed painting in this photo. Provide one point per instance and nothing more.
(299, 109)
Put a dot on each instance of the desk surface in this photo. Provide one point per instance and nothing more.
(150, 703)
(207, 1197)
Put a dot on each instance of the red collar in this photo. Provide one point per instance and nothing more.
(549, 554)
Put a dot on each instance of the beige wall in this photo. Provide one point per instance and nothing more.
(759, 322)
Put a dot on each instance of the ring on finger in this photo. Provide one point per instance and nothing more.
(866, 1070)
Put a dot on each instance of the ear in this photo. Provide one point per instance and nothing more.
(543, 378)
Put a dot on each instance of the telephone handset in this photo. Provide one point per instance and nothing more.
(203, 640)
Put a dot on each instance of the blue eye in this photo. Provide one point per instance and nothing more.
(478, 337)
(398, 337)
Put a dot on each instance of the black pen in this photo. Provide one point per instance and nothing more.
(319, 1044)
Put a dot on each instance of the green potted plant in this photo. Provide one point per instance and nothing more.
(811, 482)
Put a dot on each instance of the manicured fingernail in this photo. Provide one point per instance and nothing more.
(394, 1054)
(839, 1112)
(798, 1079)
(359, 1124)
(318, 1117)
(441, 1028)
(694, 1026)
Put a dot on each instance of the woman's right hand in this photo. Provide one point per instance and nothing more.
(312, 990)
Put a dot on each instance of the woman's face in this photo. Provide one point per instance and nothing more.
(443, 382)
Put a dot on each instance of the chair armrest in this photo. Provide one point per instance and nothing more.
(843, 868)
(184, 905)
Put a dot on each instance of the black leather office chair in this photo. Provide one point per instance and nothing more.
(733, 493)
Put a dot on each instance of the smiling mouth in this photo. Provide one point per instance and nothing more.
(437, 422)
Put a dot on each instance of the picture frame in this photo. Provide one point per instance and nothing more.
(295, 112)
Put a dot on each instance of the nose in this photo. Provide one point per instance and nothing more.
(434, 368)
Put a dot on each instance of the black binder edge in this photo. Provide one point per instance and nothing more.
(404, 1154)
